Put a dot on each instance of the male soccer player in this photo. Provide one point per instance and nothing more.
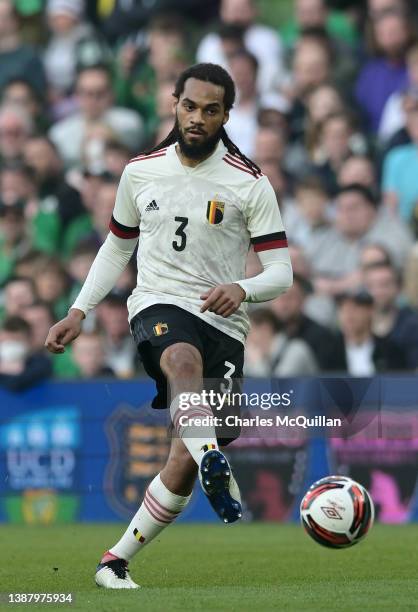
(195, 202)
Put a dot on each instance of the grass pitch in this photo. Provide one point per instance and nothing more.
(247, 567)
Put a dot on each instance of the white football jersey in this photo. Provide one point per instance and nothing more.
(195, 226)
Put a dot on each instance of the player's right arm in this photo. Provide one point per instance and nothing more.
(110, 261)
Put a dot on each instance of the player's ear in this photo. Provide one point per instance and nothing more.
(174, 107)
(226, 117)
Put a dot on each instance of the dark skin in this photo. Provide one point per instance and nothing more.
(201, 112)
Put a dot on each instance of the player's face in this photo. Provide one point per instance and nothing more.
(200, 116)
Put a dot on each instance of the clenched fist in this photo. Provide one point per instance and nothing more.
(223, 300)
(64, 332)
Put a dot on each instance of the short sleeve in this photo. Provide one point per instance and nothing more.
(125, 218)
(264, 221)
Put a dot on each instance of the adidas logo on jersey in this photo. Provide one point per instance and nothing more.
(152, 206)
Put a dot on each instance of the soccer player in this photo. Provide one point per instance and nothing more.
(195, 203)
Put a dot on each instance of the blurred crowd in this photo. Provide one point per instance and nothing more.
(327, 106)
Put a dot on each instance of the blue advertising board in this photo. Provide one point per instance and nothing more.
(86, 451)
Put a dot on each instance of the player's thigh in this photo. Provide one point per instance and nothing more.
(181, 361)
(154, 330)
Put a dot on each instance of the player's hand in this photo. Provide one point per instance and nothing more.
(64, 332)
(223, 300)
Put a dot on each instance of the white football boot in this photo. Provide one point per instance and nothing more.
(114, 575)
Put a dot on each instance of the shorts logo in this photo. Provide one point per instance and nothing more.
(215, 212)
(160, 329)
(138, 535)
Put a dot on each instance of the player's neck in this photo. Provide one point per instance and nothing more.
(189, 161)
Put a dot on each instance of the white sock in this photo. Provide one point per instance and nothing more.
(197, 438)
(158, 510)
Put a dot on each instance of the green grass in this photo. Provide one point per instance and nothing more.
(247, 567)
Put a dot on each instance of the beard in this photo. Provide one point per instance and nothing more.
(198, 150)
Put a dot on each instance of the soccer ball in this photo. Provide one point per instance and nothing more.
(337, 512)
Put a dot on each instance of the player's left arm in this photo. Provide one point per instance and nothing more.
(268, 237)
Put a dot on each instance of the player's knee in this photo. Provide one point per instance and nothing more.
(181, 361)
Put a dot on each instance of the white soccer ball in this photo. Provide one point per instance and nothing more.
(337, 512)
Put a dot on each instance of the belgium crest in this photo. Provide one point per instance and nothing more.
(215, 212)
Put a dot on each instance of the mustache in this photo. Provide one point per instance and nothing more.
(197, 130)
(197, 150)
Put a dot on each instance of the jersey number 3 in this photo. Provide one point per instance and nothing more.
(180, 245)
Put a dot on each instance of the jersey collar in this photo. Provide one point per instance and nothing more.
(218, 154)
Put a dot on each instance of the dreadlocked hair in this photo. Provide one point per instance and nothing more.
(209, 73)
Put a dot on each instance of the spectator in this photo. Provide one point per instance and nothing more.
(15, 128)
(311, 66)
(371, 254)
(242, 124)
(394, 113)
(116, 156)
(313, 14)
(89, 355)
(95, 227)
(260, 40)
(299, 123)
(336, 140)
(17, 60)
(19, 93)
(144, 68)
(269, 146)
(322, 101)
(80, 264)
(120, 349)
(14, 241)
(376, 8)
(27, 265)
(269, 352)
(68, 32)
(290, 310)
(273, 109)
(18, 294)
(94, 93)
(81, 228)
(335, 256)
(357, 351)
(18, 185)
(387, 69)
(310, 214)
(400, 169)
(21, 366)
(358, 169)
(52, 285)
(103, 208)
(41, 318)
(391, 320)
(96, 137)
(41, 155)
